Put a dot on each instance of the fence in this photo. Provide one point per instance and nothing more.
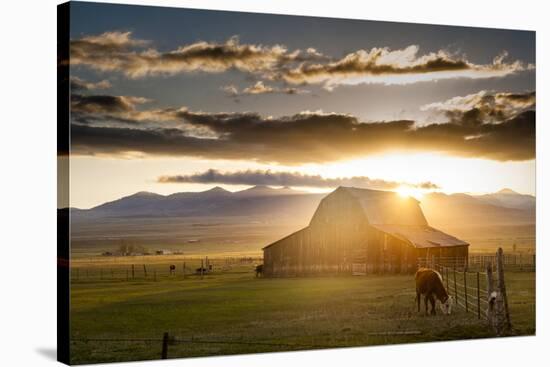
(177, 268)
(512, 262)
(479, 293)
(469, 292)
(479, 262)
(168, 340)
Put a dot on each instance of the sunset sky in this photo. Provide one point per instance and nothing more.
(168, 100)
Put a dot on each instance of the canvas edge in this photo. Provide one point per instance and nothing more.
(63, 211)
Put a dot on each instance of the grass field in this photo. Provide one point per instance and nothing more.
(215, 235)
(285, 314)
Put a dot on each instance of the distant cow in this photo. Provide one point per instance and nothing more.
(430, 284)
(201, 270)
(172, 269)
(259, 270)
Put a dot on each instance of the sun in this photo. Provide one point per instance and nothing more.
(407, 191)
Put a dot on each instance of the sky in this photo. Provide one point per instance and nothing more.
(169, 100)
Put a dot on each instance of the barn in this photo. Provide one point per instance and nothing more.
(361, 231)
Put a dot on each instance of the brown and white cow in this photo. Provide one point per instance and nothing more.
(430, 284)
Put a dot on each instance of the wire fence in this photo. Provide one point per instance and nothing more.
(168, 340)
(479, 262)
(469, 289)
(482, 294)
(150, 270)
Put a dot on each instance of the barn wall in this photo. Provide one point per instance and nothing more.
(332, 250)
(327, 251)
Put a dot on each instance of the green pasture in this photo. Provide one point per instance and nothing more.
(229, 310)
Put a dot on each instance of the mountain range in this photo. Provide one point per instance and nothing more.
(505, 207)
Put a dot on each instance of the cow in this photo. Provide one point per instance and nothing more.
(259, 270)
(430, 284)
(201, 270)
(172, 269)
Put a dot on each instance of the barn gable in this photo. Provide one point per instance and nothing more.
(339, 208)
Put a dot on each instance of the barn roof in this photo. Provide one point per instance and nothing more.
(420, 236)
(387, 207)
(284, 238)
(399, 217)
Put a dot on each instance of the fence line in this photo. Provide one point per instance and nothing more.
(151, 271)
(468, 297)
(167, 340)
(479, 262)
(488, 300)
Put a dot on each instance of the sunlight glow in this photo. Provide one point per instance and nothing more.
(407, 191)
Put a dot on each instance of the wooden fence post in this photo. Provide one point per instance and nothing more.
(456, 290)
(478, 297)
(465, 291)
(202, 268)
(502, 287)
(133, 272)
(184, 270)
(145, 270)
(490, 299)
(164, 354)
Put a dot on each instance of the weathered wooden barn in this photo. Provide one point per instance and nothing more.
(361, 231)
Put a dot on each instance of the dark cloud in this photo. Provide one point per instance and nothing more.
(484, 107)
(382, 65)
(120, 52)
(301, 138)
(104, 103)
(267, 177)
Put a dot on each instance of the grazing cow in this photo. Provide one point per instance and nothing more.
(172, 269)
(430, 284)
(201, 270)
(259, 270)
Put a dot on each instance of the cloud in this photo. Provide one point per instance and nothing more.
(483, 107)
(78, 85)
(107, 109)
(230, 90)
(104, 103)
(306, 137)
(402, 66)
(117, 51)
(268, 177)
(120, 52)
(260, 88)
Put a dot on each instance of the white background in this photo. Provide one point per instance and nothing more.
(28, 182)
